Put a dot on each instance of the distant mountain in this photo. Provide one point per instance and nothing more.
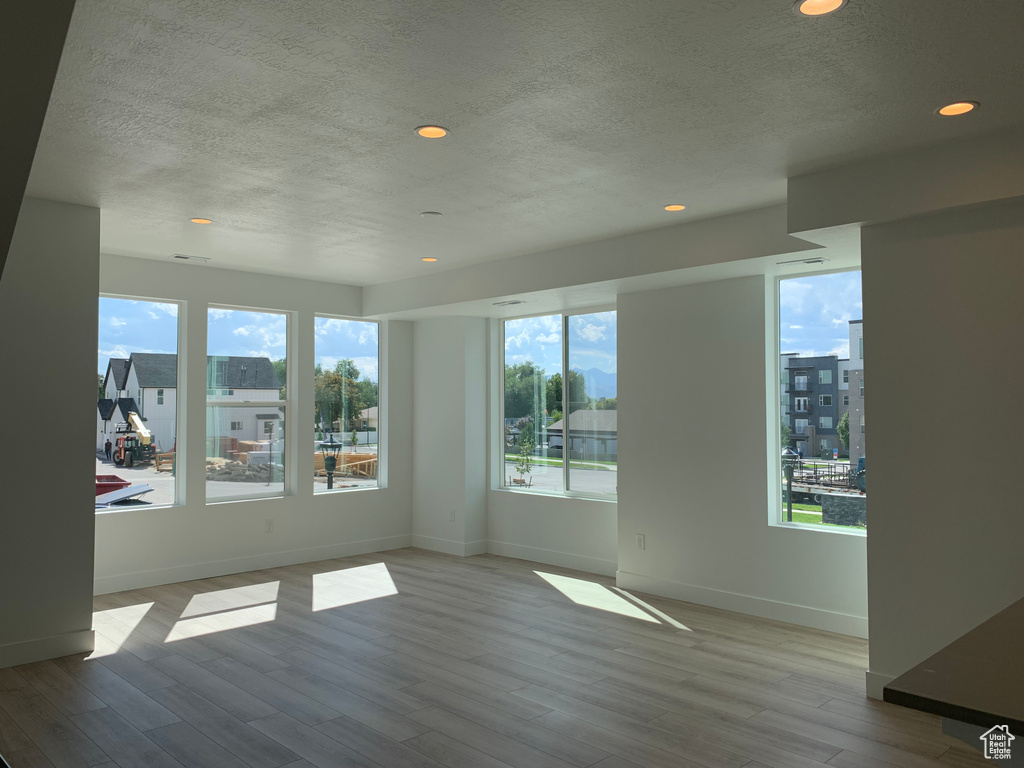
(599, 383)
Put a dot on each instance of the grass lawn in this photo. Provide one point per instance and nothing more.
(544, 461)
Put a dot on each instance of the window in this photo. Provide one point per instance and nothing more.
(802, 404)
(347, 403)
(559, 404)
(819, 315)
(138, 351)
(862, 386)
(862, 424)
(246, 403)
(861, 340)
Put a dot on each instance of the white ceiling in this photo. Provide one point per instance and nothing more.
(290, 123)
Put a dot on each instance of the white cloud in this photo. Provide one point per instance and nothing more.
(591, 332)
(118, 351)
(368, 333)
(116, 322)
(796, 327)
(169, 309)
(245, 330)
(218, 314)
(153, 315)
(551, 338)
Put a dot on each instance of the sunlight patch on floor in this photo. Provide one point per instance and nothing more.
(352, 585)
(230, 599)
(222, 622)
(650, 608)
(594, 595)
(114, 626)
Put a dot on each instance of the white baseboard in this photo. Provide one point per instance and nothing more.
(755, 606)
(874, 682)
(553, 557)
(141, 579)
(27, 651)
(449, 546)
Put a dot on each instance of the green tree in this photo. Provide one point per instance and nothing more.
(337, 394)
(786, 432)
(524, 461)
(843, 430)
(524, 391)
(607, 404)
(281, 371)
(577, 391)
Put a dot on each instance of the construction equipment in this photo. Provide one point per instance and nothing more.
(134, 442)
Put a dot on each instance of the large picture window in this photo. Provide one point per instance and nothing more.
(136, 403)
(347, 408)
(823, 462)
(559, 406)
(246, 403)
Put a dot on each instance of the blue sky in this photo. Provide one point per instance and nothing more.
(592, 340)
(128, 326)
(814, 313)
(337, 339)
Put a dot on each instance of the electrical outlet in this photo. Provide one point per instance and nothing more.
(268, 527)
(640, 543)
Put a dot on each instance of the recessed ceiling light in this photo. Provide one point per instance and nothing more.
(675, 207)
(432, 131)
(957, 108)
(817, 7)
(430, 214)
(428, 259)
(201, 221)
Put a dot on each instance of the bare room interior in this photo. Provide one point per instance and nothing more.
(338, 296)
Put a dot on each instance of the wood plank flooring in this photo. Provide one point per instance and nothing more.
(414, 659)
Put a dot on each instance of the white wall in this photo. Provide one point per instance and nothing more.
(449, 435)
(693, 478)
(138, 547)
(944, 298)
(48, 316)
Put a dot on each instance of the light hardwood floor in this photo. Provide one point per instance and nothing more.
(409, 659)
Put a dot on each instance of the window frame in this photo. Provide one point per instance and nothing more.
(180, 420)
(382, 411)
(821, 400)
(289, 475)
(773, 391)
(497, 441)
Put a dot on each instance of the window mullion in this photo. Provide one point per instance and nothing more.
(565, 402)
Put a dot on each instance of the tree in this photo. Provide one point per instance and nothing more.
(99, 386)
(524, 390)
(843, 430)
(607, 404)
(355, 439)
(577, 391)
(524, 462)
(786, 431)
(281, 371)
(337, 395)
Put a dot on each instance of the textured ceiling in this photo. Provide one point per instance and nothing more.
(290, 123)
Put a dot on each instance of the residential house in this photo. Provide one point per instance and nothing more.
(592, 435)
